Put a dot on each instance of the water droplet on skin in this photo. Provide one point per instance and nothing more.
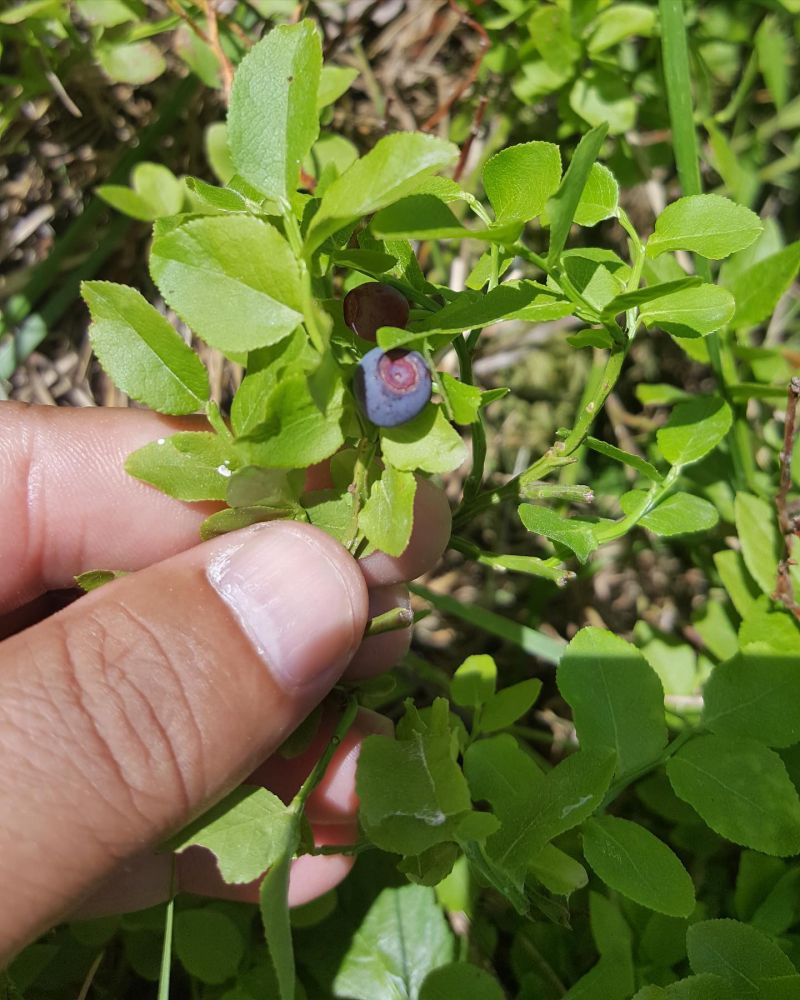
(223, 470)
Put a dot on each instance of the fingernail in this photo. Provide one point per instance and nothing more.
(299, 597)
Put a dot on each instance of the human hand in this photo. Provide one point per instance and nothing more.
(131, 711)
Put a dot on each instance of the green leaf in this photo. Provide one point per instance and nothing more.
(208, 944)
(190, 465)
(504, 302)
(333, 82)
(680, 514)
(504, 708)
(158, 187)
(707, 224)
(141, 351)
(465, 399)
(295, 433)
(267, 367)
(274, 907)
(576, 535)
(691, 312)
(519, 180)
(273, 117)
(403, 937)
(233, 519)
(600, 197)
(613, 976)
(618, 455)
(390, 171)
(603, 97)
(428, 443)
(618, 22)
(631, 860)
(557, 871)
(573, 790)
(433, 865)
(467, 982)
(757, 527)
(756, 695)
(741, 790)
(244, 831)
(694, 429)
(774, 49)
(331, 511)
(758, 289)
(135, 63)
(388, 515)
(551, 32)
(232, 278)
(106, 13)
(738, 582)
(768, 629)
(639, 296)
(474, 681)
(616, 697)
(428, 794)
(367, 261)
(561, 207)
(735, 951)
(94, 578)
(426, 217)
(713, 624)
(217, 152)
(253, 486)
(126, 201)
(533, 808)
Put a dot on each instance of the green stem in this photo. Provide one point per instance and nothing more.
(655, 495)
(559, 276)
(359, 487)
(319, 769)
(390, 621)
(166, 951)
(307, 303)
(619, 786)
(216, 420)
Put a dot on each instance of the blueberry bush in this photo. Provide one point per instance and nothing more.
(645, 843)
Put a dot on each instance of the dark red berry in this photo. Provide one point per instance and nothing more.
(392, 387)
(369, 307)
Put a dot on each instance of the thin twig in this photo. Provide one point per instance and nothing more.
(483, 47)
(784, 591)
(477, 120)
(87, 983)
(175, 6)
(225, 66)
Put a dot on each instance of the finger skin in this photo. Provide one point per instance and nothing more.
(130, 712)
(64, 487)
(379, 653)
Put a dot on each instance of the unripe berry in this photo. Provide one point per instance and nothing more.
(370, 306)
(392, 387)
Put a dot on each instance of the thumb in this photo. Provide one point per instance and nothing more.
(128, 713)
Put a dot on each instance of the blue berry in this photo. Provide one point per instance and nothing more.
(392, 387)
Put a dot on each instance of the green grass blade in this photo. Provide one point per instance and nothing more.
(166, 951)
(528, 639)
(675, 54)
